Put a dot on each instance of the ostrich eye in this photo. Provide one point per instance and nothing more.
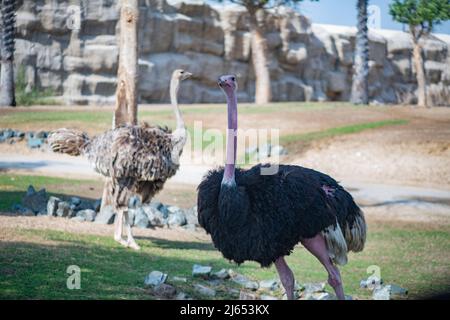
(233, 79)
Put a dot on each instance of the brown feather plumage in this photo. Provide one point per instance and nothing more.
(138, 158)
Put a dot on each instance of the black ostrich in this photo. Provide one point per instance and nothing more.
(256, 216)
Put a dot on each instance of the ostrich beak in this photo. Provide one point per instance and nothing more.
(187, 75)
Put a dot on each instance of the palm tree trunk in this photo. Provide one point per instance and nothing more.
(360, 94)
(420, 72)
(126, 93)
(263, 92)
(8, 21)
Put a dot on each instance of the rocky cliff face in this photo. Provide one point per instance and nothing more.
(308, 62)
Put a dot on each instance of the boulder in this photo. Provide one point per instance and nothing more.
(65, 209)
(52, 205)
(155, 278)
(204, 290)
(201, 271)
(176, 219)
(269, 284)
(140, 218)
(105, 216)
(155, 217)
(86, 215)
(165, 291)
(35, 201)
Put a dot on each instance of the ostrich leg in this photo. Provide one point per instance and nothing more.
(118, 226)
(130, 240)
(286, 277)
(318, 248)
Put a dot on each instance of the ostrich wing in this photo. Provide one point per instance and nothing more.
(142, 153)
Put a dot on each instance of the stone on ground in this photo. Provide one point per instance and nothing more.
(155, 278)
(201, 271)
(105, 216)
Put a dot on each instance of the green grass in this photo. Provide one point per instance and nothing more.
(332, 132)
(35, 268)
(13, 187)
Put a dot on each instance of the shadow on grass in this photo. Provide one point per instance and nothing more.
(38, 271)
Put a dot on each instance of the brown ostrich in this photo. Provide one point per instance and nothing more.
(137, 158)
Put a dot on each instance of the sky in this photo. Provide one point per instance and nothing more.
(343, 12)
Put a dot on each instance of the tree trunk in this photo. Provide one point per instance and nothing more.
(420, 74)
(8, 21)
(263, 92)
(126, 93)
(360, 91)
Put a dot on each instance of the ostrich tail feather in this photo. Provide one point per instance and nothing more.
(336, 244)
(72, 142)
(355, 233)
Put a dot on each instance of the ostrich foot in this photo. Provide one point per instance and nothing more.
(121, 241)
(133, 245)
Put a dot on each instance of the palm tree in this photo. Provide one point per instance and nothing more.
(7, 24)
(360, 94)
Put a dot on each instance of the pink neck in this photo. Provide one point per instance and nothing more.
(228, 175)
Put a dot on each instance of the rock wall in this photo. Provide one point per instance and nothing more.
(309, 62)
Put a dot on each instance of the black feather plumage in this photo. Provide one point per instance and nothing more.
(263, 217)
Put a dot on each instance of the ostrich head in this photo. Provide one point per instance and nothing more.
(180, 74)
(228, 84)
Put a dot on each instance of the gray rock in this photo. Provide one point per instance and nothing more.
(269, 284)
(140, 218)
(314, 287)
(222, 274)
(371, 282)
(179, 279)
(204, 290)
(389, 292)
(252, 285)
(64, 209)
(35, 143)
(191, 216)
(8, 133)
(398, 292)
(176, 219)
(155, 278)
(267, 297)
(165, 290)
(155, 217)
(317, 296)
(75, 201)
(97, 205)
(244, 281)
(247, 296)
(41, 134)
(134, 202)
(381, 293)
(156, 204)
(201, 271)
(86, 215)
(35, 201)
(52, 205)
(181, 296)
(105, 216)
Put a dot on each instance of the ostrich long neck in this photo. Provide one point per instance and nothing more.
(179, 135)
(228, 175)
(174, 86)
